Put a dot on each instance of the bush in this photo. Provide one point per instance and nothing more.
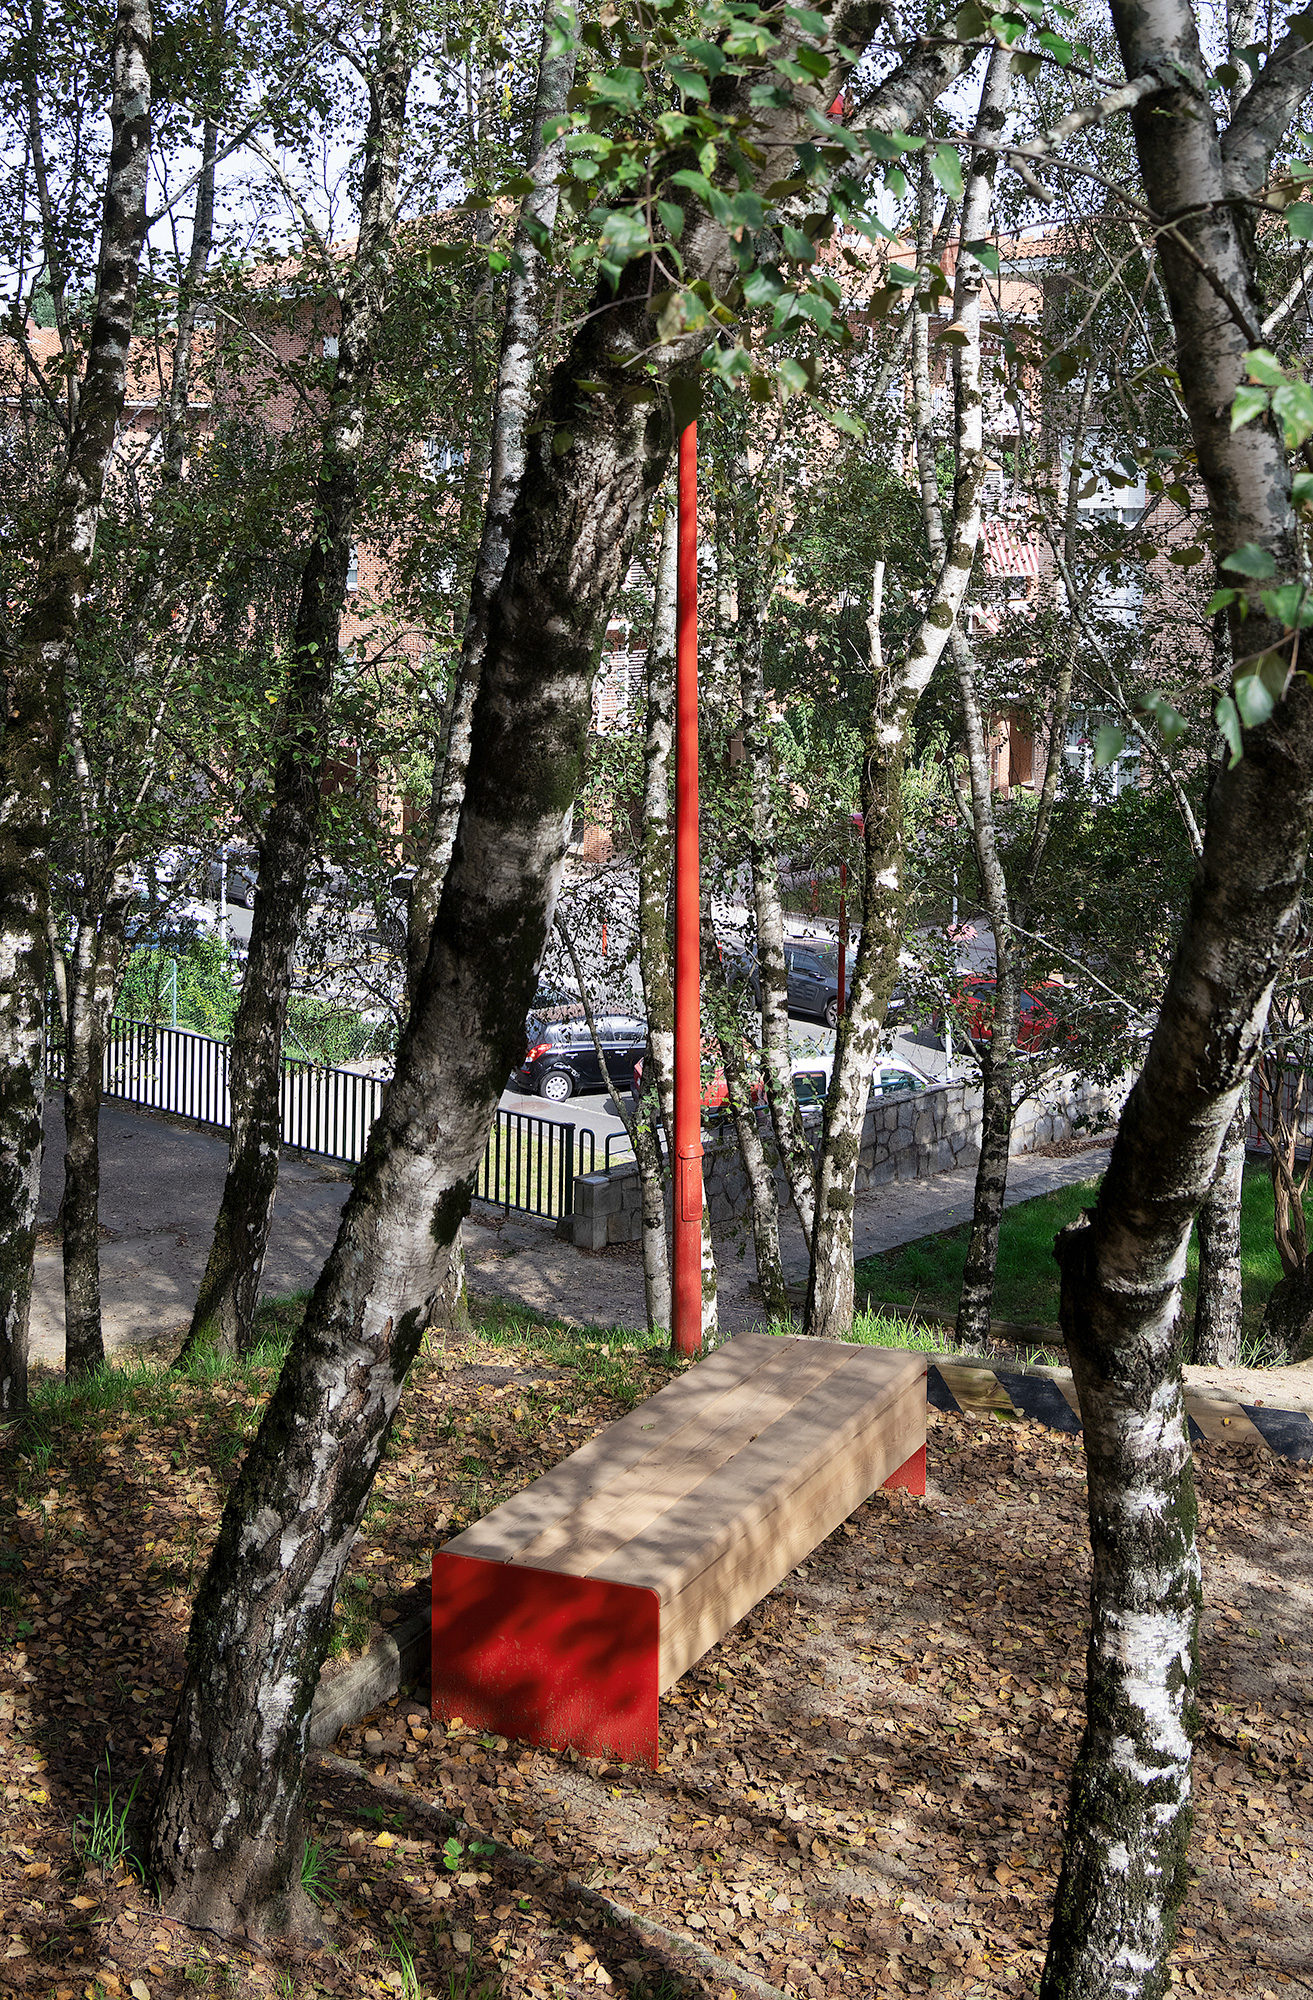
(207, 987)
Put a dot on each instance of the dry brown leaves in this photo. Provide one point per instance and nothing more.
(861, 1789)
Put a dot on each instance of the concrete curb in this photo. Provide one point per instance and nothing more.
(398, 1659)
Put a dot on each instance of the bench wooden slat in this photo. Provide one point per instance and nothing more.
(642, 1494)
(770, 1541)
(501, 1535)
(563, 1614)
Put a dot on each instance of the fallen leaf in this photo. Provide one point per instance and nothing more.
(384, 1840)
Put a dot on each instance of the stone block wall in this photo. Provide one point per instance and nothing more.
(911, 1136)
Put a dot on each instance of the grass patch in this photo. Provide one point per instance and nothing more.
(927, 1275)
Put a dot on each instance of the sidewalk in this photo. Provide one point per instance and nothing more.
(521, 1259)
(160, 1188)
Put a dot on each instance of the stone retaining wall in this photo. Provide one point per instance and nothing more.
(910, 1136)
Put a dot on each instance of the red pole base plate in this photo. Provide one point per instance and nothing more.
(551, 1659)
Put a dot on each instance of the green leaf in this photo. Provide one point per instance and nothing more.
(947, 170)
(690, 81)
(1302, 488)
(1250, 560)
(1293, 403)
(624, 237)
(900, 275)
(711, 58)
(621, 87)
(746, 208)
(1247, 404)
(1007, 28)
(969, 22)
(814, 63)
(561, 443)
(1264, 367)
(886, 145)
(796, 245)
(763, 286)
(1057, 48)
(816, 309)
(1171, 723)
(843, 422)
(1028, 64)
(793, 376)
(1227, 719)
(1253, 700)
(984, 253)
(896, 182)
(1219, 601)
(808, 20)
(673, 217)
(1298, 219)
(1109, 742)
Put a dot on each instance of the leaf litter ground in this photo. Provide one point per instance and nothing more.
(860, 1792)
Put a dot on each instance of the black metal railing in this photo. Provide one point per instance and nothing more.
(530, 1162)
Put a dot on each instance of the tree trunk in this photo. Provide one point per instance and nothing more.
(1217, 1312)
(33, 691)
(654, 1113)
(792, 1141)
(224, 1315)
(225, 1845)
(92, 984)
(743, 1113)
(1124, 1865)
(520, 346)
(999, 1059)
(830, 1284)
(1287, 1330)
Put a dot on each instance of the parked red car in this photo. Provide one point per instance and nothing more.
(1038, 1026)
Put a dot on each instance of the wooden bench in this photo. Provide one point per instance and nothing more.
(563, 1615)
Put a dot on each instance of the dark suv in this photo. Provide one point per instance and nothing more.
(561, 1058)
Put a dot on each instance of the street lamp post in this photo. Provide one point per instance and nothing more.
(686, 1290)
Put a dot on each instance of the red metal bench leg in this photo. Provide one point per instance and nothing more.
(548, 1658)
(911, 1473)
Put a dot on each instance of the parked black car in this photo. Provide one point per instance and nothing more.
(561, 1058)
(241, 875)
(813, 970)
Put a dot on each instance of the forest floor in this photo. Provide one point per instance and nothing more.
(861, 1789)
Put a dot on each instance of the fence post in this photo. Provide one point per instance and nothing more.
(567, 1157)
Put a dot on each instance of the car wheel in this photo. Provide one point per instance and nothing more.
(832, 1013)
(557, 1086)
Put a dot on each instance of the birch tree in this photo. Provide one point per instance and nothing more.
(34, 673)
(1123, 1876)
(829, 1310)
(224, 1314)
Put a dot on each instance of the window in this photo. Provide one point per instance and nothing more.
(440, 458)
(330, 347)
(353, 569)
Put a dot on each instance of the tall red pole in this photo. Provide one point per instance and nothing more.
(686, 1290)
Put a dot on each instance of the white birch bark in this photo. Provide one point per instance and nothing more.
(829, 1311)
(33, 690)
